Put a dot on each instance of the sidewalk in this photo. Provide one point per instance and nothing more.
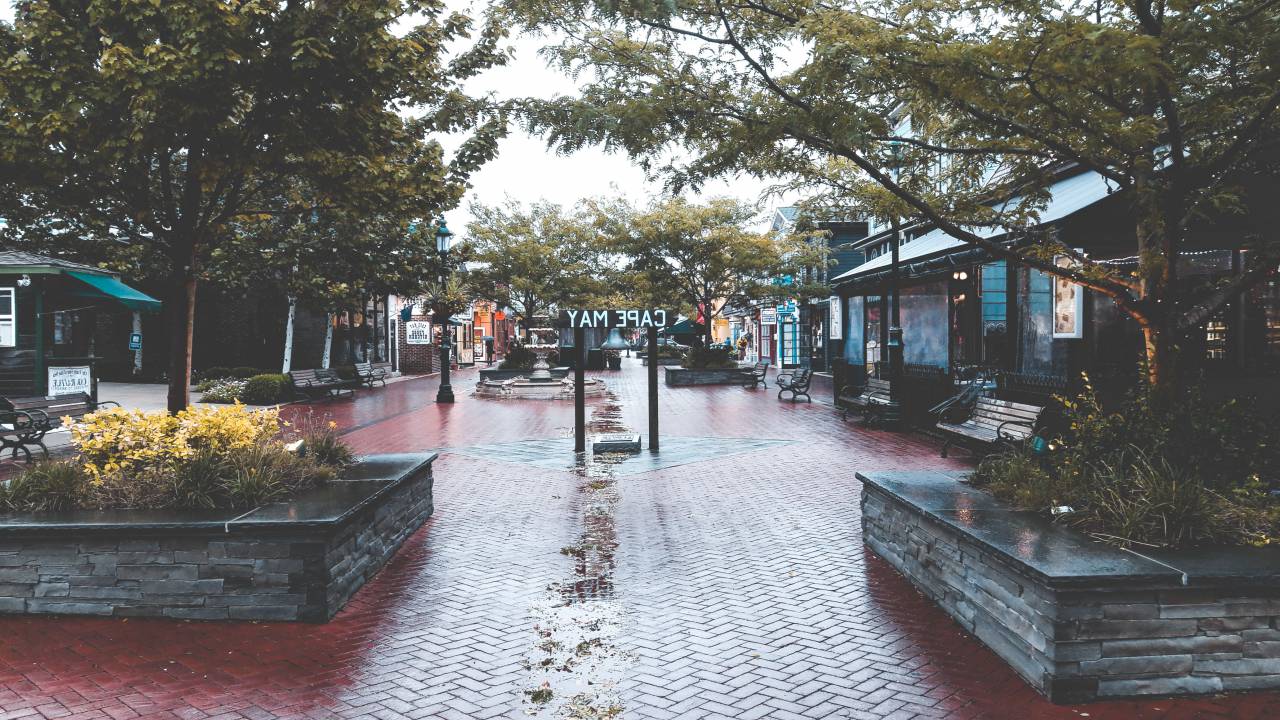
(724, 577)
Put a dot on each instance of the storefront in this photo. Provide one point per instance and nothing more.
(49, 310)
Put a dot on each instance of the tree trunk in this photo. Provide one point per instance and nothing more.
(287, 364)
(328, 341)
(182, 324)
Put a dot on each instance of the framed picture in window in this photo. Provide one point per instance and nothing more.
(1068, 304)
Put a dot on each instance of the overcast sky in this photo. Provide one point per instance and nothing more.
(525, 170)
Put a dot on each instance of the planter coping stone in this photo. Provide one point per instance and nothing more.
(329, 505)
(1056, 555)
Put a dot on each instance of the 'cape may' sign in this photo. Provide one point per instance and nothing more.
(613, 318)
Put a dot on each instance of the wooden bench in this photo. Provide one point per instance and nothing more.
(24, 421)
(368, 373)
(795, 382)
(316, 384)
(992, 422)
(870, 400)
(755, 375)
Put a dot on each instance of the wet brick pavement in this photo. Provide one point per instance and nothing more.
(723, 586)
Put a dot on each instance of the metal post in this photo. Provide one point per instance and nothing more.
(579, 378)
(894, 412)
(653, 388)
(41, 379)
(445, 393)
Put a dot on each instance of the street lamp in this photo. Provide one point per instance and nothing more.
(443, 236)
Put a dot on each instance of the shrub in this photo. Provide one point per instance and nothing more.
(265, 389)
(1177, 472)
(244, 372)
(519, 357)
(228, 390)
(202, 458)
(215, 373)
(325, 447)
(710, 357)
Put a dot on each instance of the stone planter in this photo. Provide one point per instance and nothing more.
(500, 375)
(298, 560)
(684, 377)
(1079, 620)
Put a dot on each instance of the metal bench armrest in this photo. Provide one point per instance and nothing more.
(1015, 423)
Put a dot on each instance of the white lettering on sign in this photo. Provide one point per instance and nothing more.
(613, 318)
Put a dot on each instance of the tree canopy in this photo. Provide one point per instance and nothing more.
(939, 110)
(539, 258)
(173, 129)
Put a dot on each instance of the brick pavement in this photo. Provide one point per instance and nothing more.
(733, 587)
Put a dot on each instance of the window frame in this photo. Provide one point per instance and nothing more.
(11, 319)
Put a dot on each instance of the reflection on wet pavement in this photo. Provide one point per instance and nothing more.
(575, 665)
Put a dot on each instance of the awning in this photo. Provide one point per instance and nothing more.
(1066, 198)
(108, 287)
(684, 327)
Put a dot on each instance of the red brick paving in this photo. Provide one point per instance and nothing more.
(745, 587)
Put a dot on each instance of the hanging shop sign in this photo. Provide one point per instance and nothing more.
(836, 321)
(614, 318)
(1068, 304)
(417, 332)
(70, 380)
(768, 316)
(135, 341)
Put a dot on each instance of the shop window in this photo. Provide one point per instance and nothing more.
(1036, 353)
(1262, 327)
(8, 317)
(872, 324)
(995, 307)
(1215, 339)
(926, 327)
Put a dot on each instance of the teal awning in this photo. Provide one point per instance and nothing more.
(684, 327)
(111, 288)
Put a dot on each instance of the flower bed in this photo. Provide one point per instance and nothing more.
(201, 459)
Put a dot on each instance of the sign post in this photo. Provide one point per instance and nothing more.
(651, 320)
(579, 401)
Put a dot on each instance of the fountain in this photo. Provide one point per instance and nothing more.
(539, 385)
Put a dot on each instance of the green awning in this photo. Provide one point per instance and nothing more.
(111, 288)
(684, 327)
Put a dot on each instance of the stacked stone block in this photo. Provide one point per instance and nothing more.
(274, 572)
(1075, 642)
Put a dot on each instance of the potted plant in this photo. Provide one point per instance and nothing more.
(613, 359)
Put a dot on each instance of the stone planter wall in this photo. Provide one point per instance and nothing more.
(301, 560)
(499, 375)
(663, 361)
(1079, 620)
(681, 377)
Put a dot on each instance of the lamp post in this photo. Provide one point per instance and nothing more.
(443, 236)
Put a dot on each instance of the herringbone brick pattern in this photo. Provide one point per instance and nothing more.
(735, 587)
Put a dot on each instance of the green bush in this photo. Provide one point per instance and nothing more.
(244, 372)
(519, 357)
(326, 448)
(267, 389)
(1166, 472)
(214, 373)
(709, 358)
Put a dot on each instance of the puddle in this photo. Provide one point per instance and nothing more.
(574, 664)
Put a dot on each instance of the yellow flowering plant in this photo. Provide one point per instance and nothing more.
(118, 441)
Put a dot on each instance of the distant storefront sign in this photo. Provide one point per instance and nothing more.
(768, 316)
(70, 380)
(836, 320)
(417, 332)
(135, 341)
(638, 318)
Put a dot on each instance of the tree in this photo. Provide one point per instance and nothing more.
(163, 126)
(537, 259)
(1175, 104)
(704, 257)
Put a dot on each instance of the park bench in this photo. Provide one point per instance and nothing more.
(316, 384)
(992, 422)
(24, 421)
(755, 375)
(795, 382)
(870, 400)
(368, 373)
